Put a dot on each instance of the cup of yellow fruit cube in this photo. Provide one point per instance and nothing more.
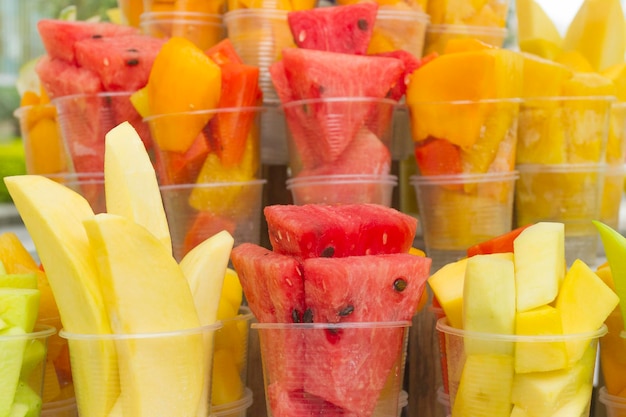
(521, 330)
(204, 30)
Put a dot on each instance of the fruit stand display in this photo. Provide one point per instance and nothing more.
(143, 112)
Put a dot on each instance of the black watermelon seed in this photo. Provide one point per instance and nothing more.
(328, 252)
(308, 316)
(132, 62)
(347, 311)
(400, 284)
(295, 316)
(362, 24)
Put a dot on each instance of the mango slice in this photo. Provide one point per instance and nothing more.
(130, 182)
(53, 216)
(533, 23)
(183, 79)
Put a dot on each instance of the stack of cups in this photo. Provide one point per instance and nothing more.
(485, 21)
(340, 150)
(210, 181)
(562, 163)
(199, 22)
(466, 173)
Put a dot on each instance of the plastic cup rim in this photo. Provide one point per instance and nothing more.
(342, 179)
(59, 405)
(244, 315)
(212, 184)
(408, 15)
(177, 15)
(442, 327)
(468, 29)
(19, 112)
(354, 99)
(148, 23)
(605, 98)
(241, 404)
(254, 12)
(463, 178)
(251, 109)
(39, 331)
(341, 325)
(562, 168)
(147, 335)
(466, 102)
(610, 399)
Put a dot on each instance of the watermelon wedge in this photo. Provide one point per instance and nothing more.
(61, 78)
(317, 230)
(59, 37)
(346, 29)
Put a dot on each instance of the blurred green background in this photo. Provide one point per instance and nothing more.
(19, 44)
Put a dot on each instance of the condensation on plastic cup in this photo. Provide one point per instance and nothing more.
(346, 189)
(615, 405)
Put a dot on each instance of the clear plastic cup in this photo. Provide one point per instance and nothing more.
(346, 189)
(196, 212)
(206, 146)
(203, 30)
(44, 150)
(483, 374)
(615, 405)
(58, 389)
(23, 367)
(85, 119)
(567, 193)
(204, 6)
(326, 369)
(399, 28)
(259, 36)
(464, 136)
(443, 398)
(438, 35)
(342, 135)
(151, 374)
(61, 408)
(230, 361)
(612, 194)
(235, 409)
(490, 13)
(273, 134)
(613, 356)
(458, 211)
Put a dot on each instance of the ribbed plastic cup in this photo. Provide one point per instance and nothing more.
(344, 189)
(196, 212)
(615, 405)
(327, 369)
(488, 375)
(203, 30)
(459, 211)
(144, 374)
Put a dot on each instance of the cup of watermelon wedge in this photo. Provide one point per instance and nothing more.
(197, 211)
(330, 369)
(202, 29)
(339, 136)
(459, 211)
(84, 120)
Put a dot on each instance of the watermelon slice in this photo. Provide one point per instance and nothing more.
(338, 231)
(61, 78)
(60, 36)
(123, 63)
(346, 29)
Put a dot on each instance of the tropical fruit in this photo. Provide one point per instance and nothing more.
(338, 231)
(345, 29)
(337, 283)
(548, 372)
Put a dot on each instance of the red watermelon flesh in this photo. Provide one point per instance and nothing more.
(411, 63)
(61, 78)
(299, 403)
(274, 289)
(280, 81)
(60, 36)
(346, 29)
(122, 62)
(318, 230)
(319, 74)
(379, 288)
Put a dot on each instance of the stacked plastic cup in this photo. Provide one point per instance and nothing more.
(485, 21)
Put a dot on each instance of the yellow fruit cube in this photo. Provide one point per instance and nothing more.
(539, 356)
(485, 387)
(447, 286)
(542, 77)
(539, 264)
(584, 302)
(489, 302)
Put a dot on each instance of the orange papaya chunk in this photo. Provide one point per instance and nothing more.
(183, 79)
(456, 45)
(463, 76)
